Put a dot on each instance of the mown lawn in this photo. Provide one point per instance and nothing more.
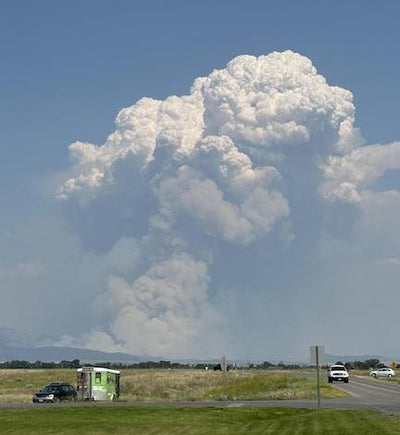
(174, 421)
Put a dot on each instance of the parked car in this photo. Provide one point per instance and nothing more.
(338, 372)
(55, 392)
(383, 372)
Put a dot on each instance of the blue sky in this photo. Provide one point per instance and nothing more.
(69, 67)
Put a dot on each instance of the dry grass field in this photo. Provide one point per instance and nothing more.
(18, 385)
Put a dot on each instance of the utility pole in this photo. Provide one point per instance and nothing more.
(317, 354)
(318, 385)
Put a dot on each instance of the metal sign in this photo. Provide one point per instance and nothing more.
(317, 354)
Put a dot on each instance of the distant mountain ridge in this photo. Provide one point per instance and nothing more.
(58, 353)
(16, 345)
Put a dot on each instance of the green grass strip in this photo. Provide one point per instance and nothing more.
(174, 421)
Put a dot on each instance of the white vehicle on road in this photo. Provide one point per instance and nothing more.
(338, 372)
(385, 372)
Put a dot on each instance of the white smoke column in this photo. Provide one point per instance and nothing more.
(277, 101)
(270, 102)
(165, 311)
(220, 171)
(219, 166)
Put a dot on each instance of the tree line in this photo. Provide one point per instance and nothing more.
(75, 363)
(366, 365)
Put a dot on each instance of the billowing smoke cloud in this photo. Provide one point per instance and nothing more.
(349, 176)
(200, 183)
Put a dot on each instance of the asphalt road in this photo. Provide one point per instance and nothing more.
(365, 393)
(379, 394)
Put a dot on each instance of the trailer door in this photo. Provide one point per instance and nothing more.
(84, 385)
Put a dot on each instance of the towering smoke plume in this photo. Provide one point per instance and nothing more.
(196, 190)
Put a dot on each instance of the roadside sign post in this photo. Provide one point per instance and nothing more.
(223, 367)
(317, 354)
(318, 384)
